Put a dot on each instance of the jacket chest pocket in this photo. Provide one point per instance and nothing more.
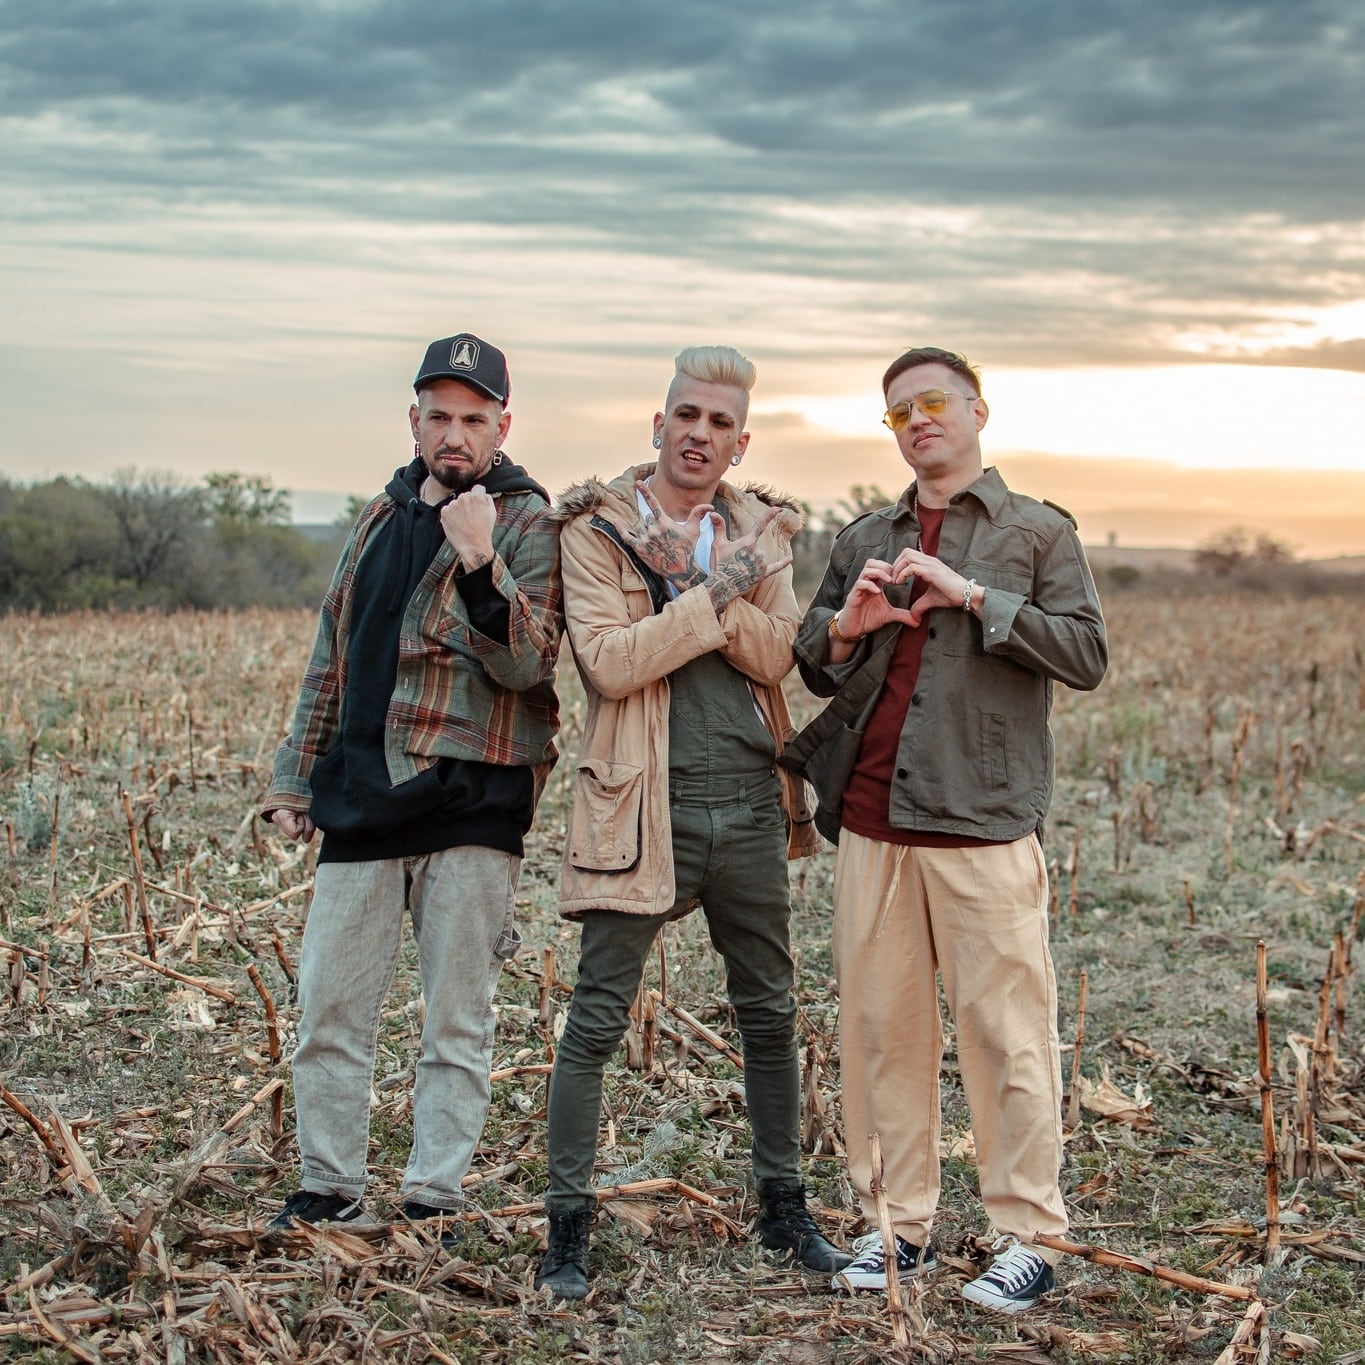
(961, 632)
(1006, 575)
(604, 828)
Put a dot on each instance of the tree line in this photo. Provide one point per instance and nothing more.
(148, 540)
(152, 541)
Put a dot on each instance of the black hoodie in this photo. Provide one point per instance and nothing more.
(456, 801)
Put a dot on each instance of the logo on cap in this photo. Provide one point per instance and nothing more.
(464, 355)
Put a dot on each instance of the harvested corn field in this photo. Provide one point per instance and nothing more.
(1206, 846)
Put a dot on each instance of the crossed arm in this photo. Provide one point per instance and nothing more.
(744, 609)
(669, 548)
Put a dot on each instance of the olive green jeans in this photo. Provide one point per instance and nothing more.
(730, 853)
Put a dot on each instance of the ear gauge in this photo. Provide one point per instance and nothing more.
(658, 443)
(735, 459)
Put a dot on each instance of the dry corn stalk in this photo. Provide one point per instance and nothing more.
(1239, 739)
(1139, 1265)
(1272, 1161)
(1073, 1115)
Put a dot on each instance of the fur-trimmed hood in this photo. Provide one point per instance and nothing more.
(591, 496)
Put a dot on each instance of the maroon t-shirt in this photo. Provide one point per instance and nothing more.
(867, 798)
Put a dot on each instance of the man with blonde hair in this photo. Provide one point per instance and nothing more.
(679, 608)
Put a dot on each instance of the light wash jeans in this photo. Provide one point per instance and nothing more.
(462, 902)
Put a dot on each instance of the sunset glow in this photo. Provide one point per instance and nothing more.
(227, 236)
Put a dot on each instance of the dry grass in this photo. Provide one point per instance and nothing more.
(1209, 799)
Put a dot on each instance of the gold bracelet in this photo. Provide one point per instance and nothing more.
(836, 634)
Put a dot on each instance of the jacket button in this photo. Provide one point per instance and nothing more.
(902, 772)
(915, 700)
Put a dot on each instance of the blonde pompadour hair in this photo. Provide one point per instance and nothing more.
(714, 365)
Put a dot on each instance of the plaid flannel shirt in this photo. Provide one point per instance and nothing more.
(458, 694)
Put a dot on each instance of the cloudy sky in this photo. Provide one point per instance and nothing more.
(227, 232)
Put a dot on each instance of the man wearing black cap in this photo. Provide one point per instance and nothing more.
(422, 740)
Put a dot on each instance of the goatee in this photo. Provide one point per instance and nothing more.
(453, 480)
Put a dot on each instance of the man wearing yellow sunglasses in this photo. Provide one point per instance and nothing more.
(939, 629)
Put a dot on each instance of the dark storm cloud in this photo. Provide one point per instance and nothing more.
(1118, 143)
(1042, 94)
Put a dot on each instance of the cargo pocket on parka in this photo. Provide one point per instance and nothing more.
(604, 829)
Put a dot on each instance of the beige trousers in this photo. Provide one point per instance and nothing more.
(978, 916)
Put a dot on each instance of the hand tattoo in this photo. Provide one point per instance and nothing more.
(667, 551)
(736, 575)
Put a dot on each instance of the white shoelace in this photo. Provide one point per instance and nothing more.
(1014, 1268)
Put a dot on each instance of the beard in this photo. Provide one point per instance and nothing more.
(453, 480)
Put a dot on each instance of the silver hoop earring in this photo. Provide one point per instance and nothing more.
(658, 443)
(497, 457)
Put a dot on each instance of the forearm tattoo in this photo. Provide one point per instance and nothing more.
(736, 575)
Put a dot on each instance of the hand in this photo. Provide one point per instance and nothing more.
(293, 824)
(468, 522)
(866, 607)
(667, 546)
(739, 565)
(943, 587)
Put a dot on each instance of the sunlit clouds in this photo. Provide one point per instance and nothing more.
(226, 234)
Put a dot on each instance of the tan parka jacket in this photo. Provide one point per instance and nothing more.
(619, 851)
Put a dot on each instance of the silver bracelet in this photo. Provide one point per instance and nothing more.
(968, 593)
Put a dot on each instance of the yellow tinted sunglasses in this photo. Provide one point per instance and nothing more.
(930, 402)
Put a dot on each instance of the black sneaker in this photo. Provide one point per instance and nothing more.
(1017, 1279)
(565, 1267)
(784, 1224)
(868, 1268)
(306, 1206)
(446, 1223)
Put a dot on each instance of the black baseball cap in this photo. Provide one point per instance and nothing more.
(470, 360)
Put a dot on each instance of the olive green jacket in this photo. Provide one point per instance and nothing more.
(975, 753)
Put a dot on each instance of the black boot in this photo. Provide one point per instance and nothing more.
(784, 1224)
(565, 1267)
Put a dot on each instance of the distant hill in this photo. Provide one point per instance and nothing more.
(1147, 557)
(320, 530)
(1141, 557)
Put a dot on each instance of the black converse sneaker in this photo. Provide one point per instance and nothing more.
(868, 1269)
(1017, 1279)
(444, 1222)
(307, 1206)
